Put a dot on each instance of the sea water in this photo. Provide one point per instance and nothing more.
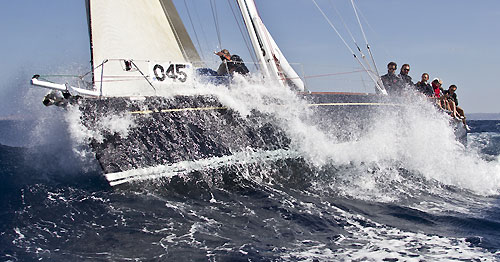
(405, 190)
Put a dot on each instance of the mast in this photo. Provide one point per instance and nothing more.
(272, 62)
(87, 7)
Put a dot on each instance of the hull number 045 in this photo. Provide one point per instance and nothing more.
(175, 72)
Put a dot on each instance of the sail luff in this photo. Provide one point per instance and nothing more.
(181, 34)
(268, 54)
(290, 76)
(255, 38)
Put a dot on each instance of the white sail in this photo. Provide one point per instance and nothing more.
(291, 77)
(143, 31)
(272, 61)
(141, 48)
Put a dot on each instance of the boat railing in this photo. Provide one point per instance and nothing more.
(120, 70)
(117, 71)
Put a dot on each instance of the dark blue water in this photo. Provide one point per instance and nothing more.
(56, 206)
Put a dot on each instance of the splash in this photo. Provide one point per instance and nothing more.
(415, 137)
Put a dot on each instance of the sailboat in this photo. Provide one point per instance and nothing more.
(145, 65)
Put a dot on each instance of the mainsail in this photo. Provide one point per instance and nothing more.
(272, 62)
(141, 48)
(140, 31)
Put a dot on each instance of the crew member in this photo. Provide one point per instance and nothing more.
(424, 87)
(230, 64)
(403, 74)
(453, 100)
(392, 83)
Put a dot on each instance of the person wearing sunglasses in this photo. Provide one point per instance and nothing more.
(403, 74)
(393, 84)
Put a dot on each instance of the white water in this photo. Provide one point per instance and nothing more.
(378, 242)
(416, 138)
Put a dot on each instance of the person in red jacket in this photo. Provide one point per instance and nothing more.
(436, 87)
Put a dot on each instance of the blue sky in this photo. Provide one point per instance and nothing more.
(456, 40)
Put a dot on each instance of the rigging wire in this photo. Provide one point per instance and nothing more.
(216, 21)
(345, 25)
(352, 36)
(375, 80)
(331, 74)
(194, 30)
(373, 31)
(250, 51)
(206, 42)
(364, 36)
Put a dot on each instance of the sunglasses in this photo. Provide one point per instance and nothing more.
(406, 69)
(392, 68)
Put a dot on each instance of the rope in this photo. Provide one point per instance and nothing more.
(373, 31)
(118, 78)
(364, 36)
(345, 25)
(359, 22)
(201, 26)
(334, 28)
(252, 54)
(214, 15)
(330, 74)
(151, 84)
(194, 30)
(93, 69)
(333, 74)
(352, 37)
(59, 76)
(377, 84)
